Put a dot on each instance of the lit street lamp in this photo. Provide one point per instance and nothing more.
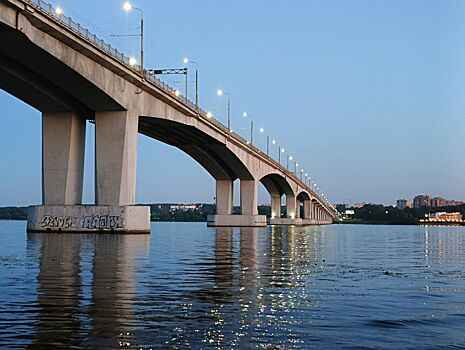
(245, 115)
(288, 159)
(128, 7)
(186, 62)
(221, 93)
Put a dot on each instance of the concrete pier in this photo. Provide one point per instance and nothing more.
(89, 218)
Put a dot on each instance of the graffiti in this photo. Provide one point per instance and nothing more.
(102, 222)
(49, 221)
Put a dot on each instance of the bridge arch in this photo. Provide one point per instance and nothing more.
(277, 186)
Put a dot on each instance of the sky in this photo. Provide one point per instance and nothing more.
(367, 95)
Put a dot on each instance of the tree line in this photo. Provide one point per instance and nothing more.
(378, 213)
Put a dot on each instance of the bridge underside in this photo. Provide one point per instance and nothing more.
(45, 83)
(214, 156)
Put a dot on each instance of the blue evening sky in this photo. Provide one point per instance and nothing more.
(367, 95)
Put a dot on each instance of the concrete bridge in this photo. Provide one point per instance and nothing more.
(71, 76)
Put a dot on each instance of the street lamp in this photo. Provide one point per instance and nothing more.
(262, 130)
(295, 167)
(59, 11)
(221, 93)
(128, 7)
(245, 115)
(280, 150)
(288, 159)
(186, 62)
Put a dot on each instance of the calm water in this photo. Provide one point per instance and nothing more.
(189, 286)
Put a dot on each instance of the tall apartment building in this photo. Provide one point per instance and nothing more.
(422, 200)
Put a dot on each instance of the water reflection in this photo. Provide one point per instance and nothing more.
(81, 309)
(58, 323)
(279, 287)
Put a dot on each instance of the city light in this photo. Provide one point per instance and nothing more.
(244, 114)
(262, 130)
(290, 158)
(186, 60)
(132, 61)
(219, 92)
(59, 11)
(282, 150)
(273, 142)
(127, 6)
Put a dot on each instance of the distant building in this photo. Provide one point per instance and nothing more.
(184, 207)
(422, 200)
(348, 214)
(359, 205)
(403, 203)
(438, 202)
(443, 217)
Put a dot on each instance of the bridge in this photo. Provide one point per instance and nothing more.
(71, 76)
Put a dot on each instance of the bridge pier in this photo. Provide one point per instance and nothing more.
(63, 146)
(224, 204)
(292, 213)
(275, 207)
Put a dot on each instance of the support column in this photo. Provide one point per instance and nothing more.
(292, 216)
(297, 208)
(275, 207)
(249, 213)
(290, 206)
(307, 209)
(63, 145)
(249, 194)
(224, 197)
(115, 157)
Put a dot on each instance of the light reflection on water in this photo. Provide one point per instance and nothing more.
(189, 286)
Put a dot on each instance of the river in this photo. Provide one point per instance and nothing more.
(188, 286)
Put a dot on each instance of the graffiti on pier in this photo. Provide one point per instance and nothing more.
(88, 222)
(49, 221)
(102, 222)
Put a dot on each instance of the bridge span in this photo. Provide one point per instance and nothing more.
(71, 76)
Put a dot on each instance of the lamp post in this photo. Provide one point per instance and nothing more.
(245, 115)
(288, 159)
(280, 150)
(128, 7)
(301, 173)
(295, 167)
(221, 93)
(187, 61)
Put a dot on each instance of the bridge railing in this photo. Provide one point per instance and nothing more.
(66, 21)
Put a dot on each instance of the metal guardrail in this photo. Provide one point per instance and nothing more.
(84, 33)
